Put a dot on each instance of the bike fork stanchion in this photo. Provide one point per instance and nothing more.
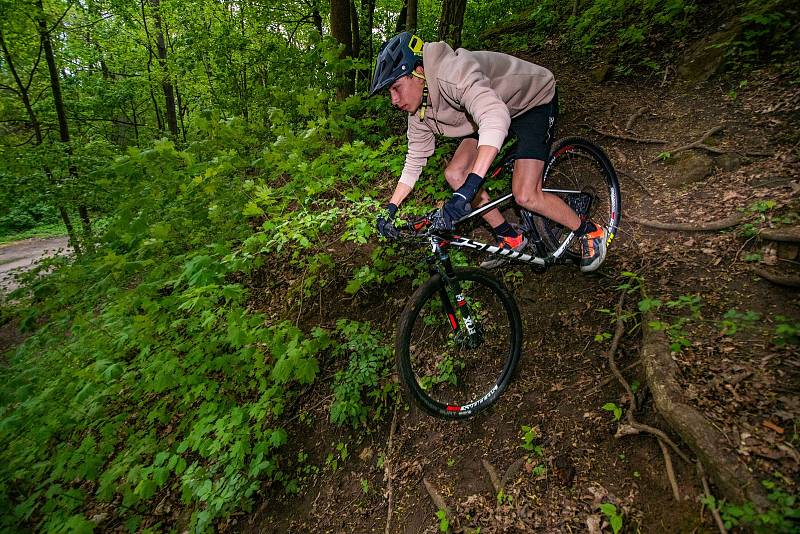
(448, 280)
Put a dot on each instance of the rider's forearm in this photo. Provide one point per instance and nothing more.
(400, 193)
(486, 155)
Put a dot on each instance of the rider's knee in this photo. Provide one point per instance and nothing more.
(455, 176)
(528, 199)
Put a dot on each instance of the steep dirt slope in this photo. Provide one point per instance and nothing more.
(744, 382)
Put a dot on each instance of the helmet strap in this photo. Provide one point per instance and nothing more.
(424, 105)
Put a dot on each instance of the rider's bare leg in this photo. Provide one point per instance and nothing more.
(456, 174)
(526, 185)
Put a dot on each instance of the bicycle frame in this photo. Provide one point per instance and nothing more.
(438, 242)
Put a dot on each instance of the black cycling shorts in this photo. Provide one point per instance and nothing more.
(534, 130)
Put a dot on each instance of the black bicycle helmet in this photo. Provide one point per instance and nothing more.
(397, 57)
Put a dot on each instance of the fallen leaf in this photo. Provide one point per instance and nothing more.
(772, 426)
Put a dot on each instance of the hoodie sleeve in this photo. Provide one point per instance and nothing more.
(421, 143)
(467, 87)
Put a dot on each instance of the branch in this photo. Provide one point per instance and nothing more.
(700, 143)
(9, 88)
(626, 137)
(35, 66)
(721, 224)
(64, 14)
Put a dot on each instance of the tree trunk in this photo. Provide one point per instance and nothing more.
(354, 29)
(166, 83)
(401, 19)
(156, 109)
(23, 91)
(451, 21)
(411, 16)
(317, 20)
(63, 127)
(341, 29)
(370, 7)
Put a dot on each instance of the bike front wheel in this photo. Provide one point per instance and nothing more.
(580, 173)
(455, 363)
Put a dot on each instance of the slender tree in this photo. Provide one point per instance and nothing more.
(341, 29)
(401, 19)
(58, 101)
(452, 21)
(166, 82)
(411, 16)
(23, 90)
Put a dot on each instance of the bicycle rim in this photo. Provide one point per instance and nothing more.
(579, 165)
(450, 374)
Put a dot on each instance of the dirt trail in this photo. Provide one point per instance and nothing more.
(745, 384)
(23, 255)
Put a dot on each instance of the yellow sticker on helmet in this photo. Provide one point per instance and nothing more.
(415, 44)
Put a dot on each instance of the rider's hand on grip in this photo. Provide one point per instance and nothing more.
(385, 223)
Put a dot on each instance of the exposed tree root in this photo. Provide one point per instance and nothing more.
(721, 224)
(639, 112)
(387, 464)
(439, 502)
(777, 279)
(492, 476)
(732, 478)
(511, 472)
(632, 426)
(626, 137)
(786, 235)
(714, 511)
(701, 144)
(670, 472)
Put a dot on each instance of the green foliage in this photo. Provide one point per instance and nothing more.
(787, 331)
(675, 326)
(769, 34)
(444, 523)
(362, 389)
(733, 320)
(614, 409)
(529, 437)
(613, 516)
(781, 517)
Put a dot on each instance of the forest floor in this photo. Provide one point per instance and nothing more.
(734, 367)
(739, 374)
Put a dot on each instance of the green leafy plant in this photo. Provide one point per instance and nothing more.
(787, 331)
(781, 517)
(733, 320)
(529, 437)
(444, 523)
(362, 388)
(613, 516)
(614, 409)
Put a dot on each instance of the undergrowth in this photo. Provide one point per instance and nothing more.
(149, 378)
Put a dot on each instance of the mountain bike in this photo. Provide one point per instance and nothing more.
(459, 337)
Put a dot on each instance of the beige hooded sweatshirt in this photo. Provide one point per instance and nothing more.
(471, 92)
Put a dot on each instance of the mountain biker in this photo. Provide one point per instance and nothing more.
(478, 97)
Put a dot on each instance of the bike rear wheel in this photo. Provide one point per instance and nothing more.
(444, 370)
(584, 178)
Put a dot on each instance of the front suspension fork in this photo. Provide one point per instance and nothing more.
(447, 280)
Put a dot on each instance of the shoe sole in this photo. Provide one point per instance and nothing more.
(600, 258)
(494, 263)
